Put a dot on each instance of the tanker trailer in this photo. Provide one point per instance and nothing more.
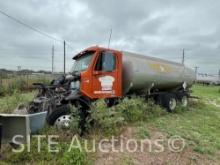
(101, 73)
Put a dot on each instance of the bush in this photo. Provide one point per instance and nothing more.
(21, 83)
(9, 103)
(109, 119)
(63, 156)
(18, 84)
(104, 118)
(74, 125)
(75, 156)
(132, 109)
(33, 155)
(137, 109)
(2, 90)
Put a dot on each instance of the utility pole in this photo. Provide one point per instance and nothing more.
(64, 57)
(52, 59)
(183, 57)
(196, 71)
(219, 75)
(110, 36)
(18, 68)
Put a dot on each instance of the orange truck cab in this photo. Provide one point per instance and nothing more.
(100, 72)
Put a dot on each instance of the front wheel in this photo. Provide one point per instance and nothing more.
(58, 114)
(63, 122)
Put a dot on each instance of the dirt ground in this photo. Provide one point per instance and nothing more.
(185, 157)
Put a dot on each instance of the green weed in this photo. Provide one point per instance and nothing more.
(107, 120)
(9, 103)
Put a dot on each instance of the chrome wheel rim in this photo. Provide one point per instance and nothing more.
(63, 122)
(184, 101)
(172, 103)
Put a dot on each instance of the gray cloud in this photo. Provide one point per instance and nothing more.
(157, 28)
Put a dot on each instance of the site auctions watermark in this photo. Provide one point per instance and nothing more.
(113, 144)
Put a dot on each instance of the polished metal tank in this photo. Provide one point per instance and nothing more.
(142, 72)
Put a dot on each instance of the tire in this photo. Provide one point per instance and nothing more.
(59, 111)
(184, 101)
(168, 101)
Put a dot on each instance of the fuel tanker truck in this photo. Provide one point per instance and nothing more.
(101, 73)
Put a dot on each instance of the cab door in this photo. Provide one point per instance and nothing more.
(106, 76)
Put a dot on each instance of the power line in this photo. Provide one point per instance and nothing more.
(68, 44)
(21, 56)
(34, 29)
(38, 31)
(30, 27)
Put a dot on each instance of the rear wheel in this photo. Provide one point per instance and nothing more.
(184, 101)
(168, 101)
(172, 103)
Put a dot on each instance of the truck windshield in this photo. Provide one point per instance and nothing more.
(83, 62)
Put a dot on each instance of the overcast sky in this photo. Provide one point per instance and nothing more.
(156, 28)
